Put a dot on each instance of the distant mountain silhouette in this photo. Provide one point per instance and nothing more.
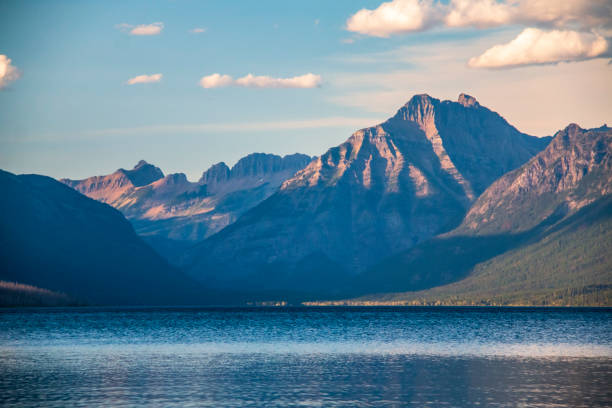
(171, 212)
(384, 190)
(55, 238)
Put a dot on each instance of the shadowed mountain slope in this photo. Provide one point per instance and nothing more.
(55, 238)
(574, 170)
(384, 190)
(542, 228)
(567, 264)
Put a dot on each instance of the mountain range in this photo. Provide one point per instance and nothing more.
(384, 190)
(443, 203)
(170, 211)
(541, 234)
(54, 238)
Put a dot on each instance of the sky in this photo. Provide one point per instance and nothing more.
(89, 87)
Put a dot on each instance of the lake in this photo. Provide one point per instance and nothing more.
(328, 357)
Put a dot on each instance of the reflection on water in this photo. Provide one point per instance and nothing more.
(304, 357)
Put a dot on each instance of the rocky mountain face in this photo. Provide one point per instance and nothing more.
(109, 189)
(384, 190)
(574, 170)
(171, 207)
(55, 238)
(539, 229)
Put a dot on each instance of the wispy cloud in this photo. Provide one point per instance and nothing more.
(535, 47)
(251, 81)
(344, 123)
(144, 79)
(303, 81)
(8, 72)
(478, 13)
(197, 30)
(216, 81)
(574, 14)
(142, 29)
(316, 123)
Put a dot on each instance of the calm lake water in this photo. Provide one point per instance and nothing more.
(349, 357)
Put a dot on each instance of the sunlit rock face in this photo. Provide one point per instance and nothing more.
(385, 189)
(217, 174)
(574, 170)
(172, 207)
(111, 188)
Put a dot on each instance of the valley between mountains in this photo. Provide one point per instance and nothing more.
(443, 203)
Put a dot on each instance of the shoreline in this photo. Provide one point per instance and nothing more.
(303, 307)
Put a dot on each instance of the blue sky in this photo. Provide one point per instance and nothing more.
(71, 113)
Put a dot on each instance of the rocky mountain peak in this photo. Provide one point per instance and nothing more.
(467, 100)
(142, 174)
(141, 163)
(573, 128)
(295, 161)
(175, 178)
(217, 173)
(421, 100)
(566, 137)
(572, 171)
(417, 109)
(461, 137)
(173, 207)
(386, 188)
(262, 164)
(256, 164)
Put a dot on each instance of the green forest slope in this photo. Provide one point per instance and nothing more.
(568, 264)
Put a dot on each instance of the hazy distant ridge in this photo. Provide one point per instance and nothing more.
(172, 208)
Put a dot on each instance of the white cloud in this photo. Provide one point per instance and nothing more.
(559, 30)
(574, 14)
(197, 30)
(251, 81)
(534, 46)
(394, 17)
(144, 79)
(147, 29)
(303, 81)
(142, 29)
(216, 81)
(478, 13)
(571, 14)
(404, 16)
(8, 72)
